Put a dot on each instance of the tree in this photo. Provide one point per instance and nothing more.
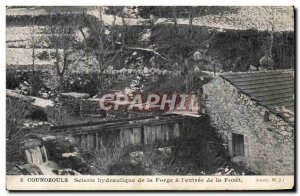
(121, 10)
(118, 11)
(16, 110)
(267, 60)
(32, 44)
(31, 54)
(62, 37)
(15, 116)
(114, 29)
(175, 19)
(101, 42)
(190, 20)
(273, 14)
(181, 45)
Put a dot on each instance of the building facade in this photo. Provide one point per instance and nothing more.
(254, 115)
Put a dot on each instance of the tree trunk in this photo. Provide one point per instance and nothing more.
(124, 30)
(32, 75)
(100, 86)
(33, 58)
(284, 38)
(271, 44)
(186, 75)
(32, 88)
(190, 22)
(269, 53)
(175, 19)
(113, 34)
(61, 83)
(272, 37)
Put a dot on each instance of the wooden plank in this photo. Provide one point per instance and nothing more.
(128, 138)
(121, 137)
(94, 128)
(186, 113)
(88, 142)
(176, 130)
(111, 121)
(147, 134)
(77, 139)
(100, 144)
(83, 142)
(167, 130)
(97, 141)
(153, 134)
(137, 135)
(159, 136)
(91, 141)
(114, 126)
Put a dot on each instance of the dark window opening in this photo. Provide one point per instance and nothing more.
(238, 145)
(267, 116)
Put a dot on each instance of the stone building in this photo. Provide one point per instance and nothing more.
(254, 115)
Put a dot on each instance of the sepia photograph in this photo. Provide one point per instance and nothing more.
(150, 94)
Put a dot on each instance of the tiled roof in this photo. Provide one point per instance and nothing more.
(272, 89)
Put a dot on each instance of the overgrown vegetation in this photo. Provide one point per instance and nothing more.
(97, 48)
(15, 118)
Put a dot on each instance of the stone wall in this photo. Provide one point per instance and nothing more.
(268, 145)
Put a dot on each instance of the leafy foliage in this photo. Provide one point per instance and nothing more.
(82, 83)
(16, 111)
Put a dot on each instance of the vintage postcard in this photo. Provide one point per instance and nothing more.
(187, 98)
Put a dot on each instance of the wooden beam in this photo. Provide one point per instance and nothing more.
(97, 141)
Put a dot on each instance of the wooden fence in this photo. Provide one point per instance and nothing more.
(133, 132)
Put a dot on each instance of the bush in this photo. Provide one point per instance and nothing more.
(37, 114)
(13, 80)
(15, 117)
(125, 167)
(106, 157)
(30, 83)
(58, 146)
(82, 83)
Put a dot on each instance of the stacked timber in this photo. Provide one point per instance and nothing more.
(91, 108)
(72, 100)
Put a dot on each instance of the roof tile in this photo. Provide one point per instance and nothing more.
(272, 89)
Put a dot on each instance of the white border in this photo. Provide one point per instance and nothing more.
(3, 3)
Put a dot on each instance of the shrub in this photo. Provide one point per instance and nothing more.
(15, 117)
(13, 80)
(58, 146)
(82, 83)
(106, 157)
